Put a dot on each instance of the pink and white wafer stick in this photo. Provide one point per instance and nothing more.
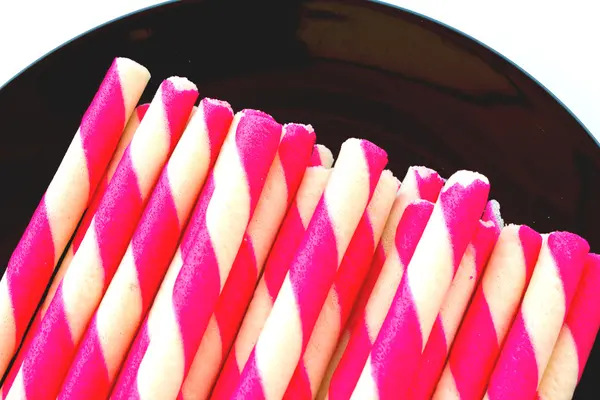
(150, 251)
(233, 190)
(321, 155)
(361, 339)
(130, 128)
(576, 337)
(104, 243)
(384, 276)
(55, 219)
(390, 368)
(340, 299)
(287, 330)
(288, 239)
(455, 304)
(534, 332)
(282, 182)
(490, 314)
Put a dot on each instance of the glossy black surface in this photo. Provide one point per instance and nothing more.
(425, 93)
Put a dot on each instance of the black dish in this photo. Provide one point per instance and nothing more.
(426, 93)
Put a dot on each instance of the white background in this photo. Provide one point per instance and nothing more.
(558, 42)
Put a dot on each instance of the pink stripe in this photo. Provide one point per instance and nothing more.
(117, 216)
(197, 222)
(141, 110)
(376, 159)
(569, 252)
(228, 378)
(516, 373)
(476, 348)
(294, 152)
(178, 105)
(44, 366)
(86, 221)
(430, 185)
(299, 387)
(30, 267)
(288, 240)
(315, 158)
(128, 374)
(584, 318)
(408, 233)
(250, 387)
(88, 376)
(218, 116)
(102, 125)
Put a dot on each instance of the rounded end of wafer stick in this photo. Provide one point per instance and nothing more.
(569, 252)
(321, 155)
(492, 214)
(208, 102)
(389, 179)
(465, 178)
(425, 181)
(124, 63)
(300, 132)
(256, 113)
(181, 84)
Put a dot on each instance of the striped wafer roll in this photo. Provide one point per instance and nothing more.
(457, 299)
(233, 191)
(390, 368)
(341, 297)
(490, 314)
(126, 137)
(276, 267)
(150, 251)
(287, 330)
(576, 337)
(55, 219)
(104, 243)
(534, 332)
(361, 339)
(280, 188)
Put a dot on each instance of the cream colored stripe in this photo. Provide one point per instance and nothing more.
(269, 212)
(276, 359)
(162, 301)
(366, 388)
(7, 327)
(543, 306)
(379, 207)
(561, 375)
(124, 141)
(254, 320)
(67, 195)
(430, 270)
(503, 283)
(309, 193)
(347, 193)
(446, 387)
(206, 365)
(134, 78)
(17, 390)
(325, 156)
(188, 166)
(119, 313)
(83, 284)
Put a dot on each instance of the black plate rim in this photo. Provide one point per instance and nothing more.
(377, 2)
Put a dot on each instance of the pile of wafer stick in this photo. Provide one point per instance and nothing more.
(191, 252)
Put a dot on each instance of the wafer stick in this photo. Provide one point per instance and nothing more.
(488, 318)
(124, 141)
(321, 155)
(233, 191)
(288, 239)
(150, 251)
(282, 182)
(31, 265)
(104, 244)
(534, 332)
(349, 366)
(576, 337)
(341, 296)
(390, 368)
(457, 299)
(287, 330)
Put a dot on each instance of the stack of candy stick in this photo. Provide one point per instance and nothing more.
(132, 124)
(137, 278)
(92, 267)
(536, 328)
(221, 256)
(282, 183)
(288, 327)
(487, 321)
(389, 371)
(231, 196)
(288, 239)
(576, 337)
(33, 261)
(455, 304)
(350, 276)
(398, 242)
